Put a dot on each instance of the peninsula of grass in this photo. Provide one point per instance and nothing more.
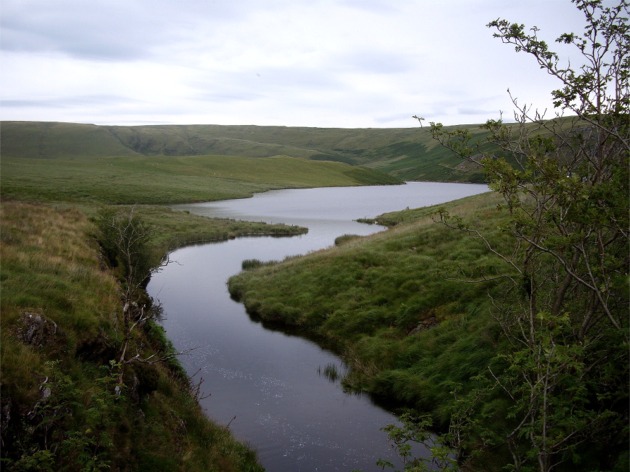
(398, 306)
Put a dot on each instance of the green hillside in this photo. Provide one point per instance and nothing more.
(406, 153)
(159, 179)
(49, 140)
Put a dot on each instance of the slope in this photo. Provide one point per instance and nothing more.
(407, 153)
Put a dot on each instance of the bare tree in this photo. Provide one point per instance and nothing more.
(124, 238)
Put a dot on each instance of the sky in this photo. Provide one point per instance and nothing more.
(316, 63)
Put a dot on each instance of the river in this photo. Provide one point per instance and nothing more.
(266, 385)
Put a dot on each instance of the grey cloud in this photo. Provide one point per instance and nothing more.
(30, 103)
(297, 77)
(397, 117)
(264, 82)
(107, 30)
(81, 33)
(374, 62)
(317, 61)
(228, 96)
(477, 111)
(374, 6)
(66, 101)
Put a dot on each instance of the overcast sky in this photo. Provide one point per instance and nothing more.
(324, 63)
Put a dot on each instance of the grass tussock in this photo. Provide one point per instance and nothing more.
(48, 264)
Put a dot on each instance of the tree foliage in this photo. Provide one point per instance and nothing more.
(415, 430)
(564, 182)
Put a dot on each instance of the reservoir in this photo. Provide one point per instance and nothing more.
(266, 386)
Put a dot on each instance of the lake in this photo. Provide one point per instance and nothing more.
(268, 386)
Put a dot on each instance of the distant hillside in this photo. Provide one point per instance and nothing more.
(406, 153)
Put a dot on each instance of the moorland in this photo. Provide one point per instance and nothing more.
(63, 294)
(89, 383)
(499, 322)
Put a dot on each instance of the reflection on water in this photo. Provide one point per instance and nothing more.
(272, 388)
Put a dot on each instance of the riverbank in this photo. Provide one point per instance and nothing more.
(397, 306)
(419, 314)
(61, 307)
(63, 405)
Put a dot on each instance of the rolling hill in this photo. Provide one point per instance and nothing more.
(405, 153)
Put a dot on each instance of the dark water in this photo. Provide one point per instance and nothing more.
(268, 386)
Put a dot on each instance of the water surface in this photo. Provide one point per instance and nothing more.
(268, 386)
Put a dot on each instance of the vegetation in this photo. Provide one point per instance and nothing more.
(566, 368)
(407, 154)
(398, 305)
(168, 180)
(539, 371)
(171, 229)
(500, 320)
(68, 402)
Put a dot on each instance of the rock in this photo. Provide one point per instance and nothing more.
(36, 330)
(427, 323)
(5, 419)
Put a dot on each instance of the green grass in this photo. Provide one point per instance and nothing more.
(171, 229)
(52, 270)
(406, 153)
(156, 180)
(397, 305)
(50, 140)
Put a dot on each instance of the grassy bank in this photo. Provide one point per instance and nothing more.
(413, 311)
(67, 401)
(398, 305)
(60, 337)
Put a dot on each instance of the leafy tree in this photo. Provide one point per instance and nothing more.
(565, 185)
(416, 430)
